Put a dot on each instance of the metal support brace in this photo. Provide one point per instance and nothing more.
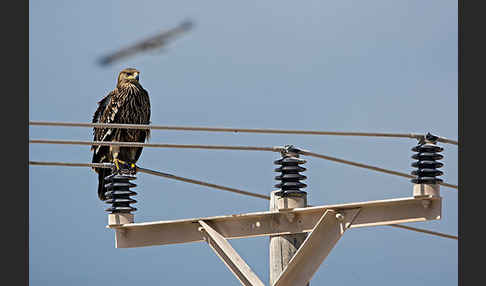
(315, 248)
(229, 256)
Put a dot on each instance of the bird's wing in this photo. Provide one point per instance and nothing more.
(102, 115)
(100, 153)
(102, 104)
(144, 136)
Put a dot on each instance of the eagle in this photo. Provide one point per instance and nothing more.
(128, 103)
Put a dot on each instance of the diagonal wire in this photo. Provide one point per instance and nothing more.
(238, 130)
(425, 231)
(365, 166)
(166, 175)
(152, 172)
(192, 181)
(226, 147)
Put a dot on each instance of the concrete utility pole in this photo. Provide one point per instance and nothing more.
(284, 247)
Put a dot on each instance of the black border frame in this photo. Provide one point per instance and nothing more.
(471, 23)
(15, 113)
(16, 38)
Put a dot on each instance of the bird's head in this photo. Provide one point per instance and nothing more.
(128, 75)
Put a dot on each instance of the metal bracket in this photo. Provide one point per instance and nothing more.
(316, 248)
(229, 256)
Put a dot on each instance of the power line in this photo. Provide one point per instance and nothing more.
(374, 168)
(226, 147)
(152, 172)
(425, 231)
(192, 181)
(68, 164)
(237, 130)
(155, 145)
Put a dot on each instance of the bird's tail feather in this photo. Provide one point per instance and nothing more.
(102, 173)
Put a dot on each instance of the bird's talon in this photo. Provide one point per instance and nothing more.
(117, 163)
(132, 169)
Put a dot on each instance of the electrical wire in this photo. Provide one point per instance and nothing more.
(237, 130)
(226, 147)
(192, 181)
(152, 172)
(68, 164)
(360, 165)
(425, 231)
(154, 145)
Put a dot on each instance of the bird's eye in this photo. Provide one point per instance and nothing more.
(129, 73)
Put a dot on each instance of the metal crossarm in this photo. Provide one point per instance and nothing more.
(297, 220)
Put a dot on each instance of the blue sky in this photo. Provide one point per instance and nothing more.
(383, 66)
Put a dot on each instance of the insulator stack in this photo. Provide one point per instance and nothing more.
(290, 178)
(118, 194)
(426, 164)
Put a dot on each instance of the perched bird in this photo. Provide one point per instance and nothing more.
(128, 103)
